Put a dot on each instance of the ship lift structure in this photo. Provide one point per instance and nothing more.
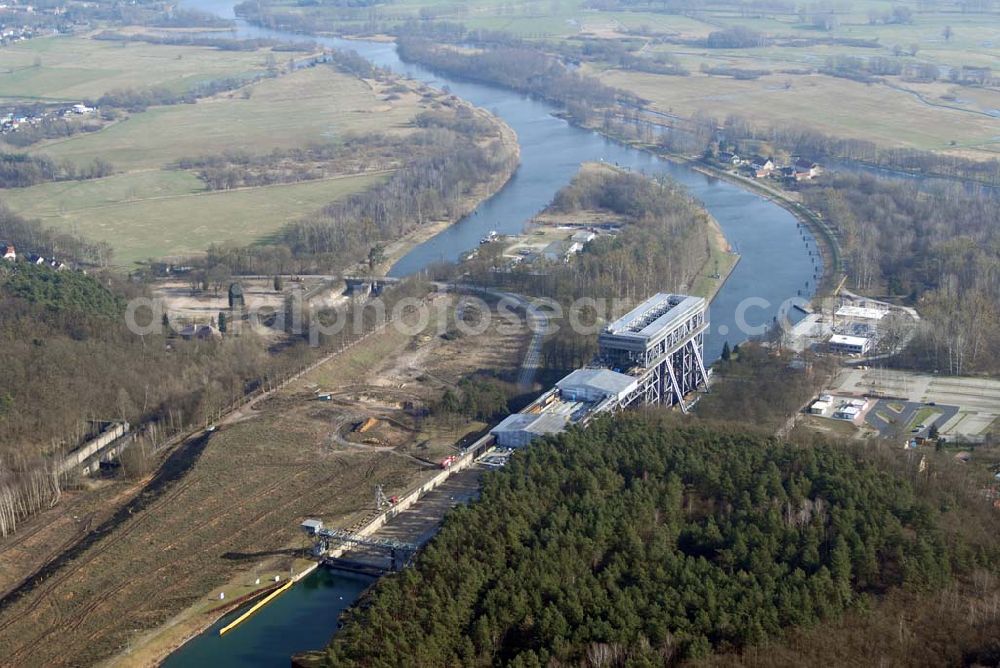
(660, 342)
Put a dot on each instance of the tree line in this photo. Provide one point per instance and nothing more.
(31, 236)
(241, 169)
(20, 170)
(51, 128)
(522, 68)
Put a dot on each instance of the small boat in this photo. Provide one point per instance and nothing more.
(492, 236)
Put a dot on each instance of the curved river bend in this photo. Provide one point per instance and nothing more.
(779, 262)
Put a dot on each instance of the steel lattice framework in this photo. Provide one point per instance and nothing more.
(400, 553)
(660, 342)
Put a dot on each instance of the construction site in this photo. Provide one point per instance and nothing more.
(652, 355)
(357, 447)
(218, 522)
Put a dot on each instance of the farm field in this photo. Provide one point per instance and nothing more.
(147, 208)
(312, 105)
(839, 107)
(69, 69)
(156, 225)
(236, 510)
(961, 120)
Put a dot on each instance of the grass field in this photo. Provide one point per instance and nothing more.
(148, 210)
(309, 106)
(839, 107)
(172, 216)
(74, 68)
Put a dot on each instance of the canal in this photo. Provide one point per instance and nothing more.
(780, 261)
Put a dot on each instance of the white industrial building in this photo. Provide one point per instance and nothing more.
(847, 412)
(849, 345)
(593, 385)
(848, 312)
(819, 407)
(520, 429)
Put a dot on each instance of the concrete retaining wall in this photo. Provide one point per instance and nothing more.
(407, 500)
(90, 448)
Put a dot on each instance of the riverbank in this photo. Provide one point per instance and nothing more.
(829, 247)
(508, 140)
(719, 265)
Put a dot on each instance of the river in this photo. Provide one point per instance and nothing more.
(780, 261)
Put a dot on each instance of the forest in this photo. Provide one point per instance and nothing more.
(663, 244)
(935, 245)
(525, 69)
(753, 384)
(641, 542)
(69, 357)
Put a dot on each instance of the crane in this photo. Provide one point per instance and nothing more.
(400, 552)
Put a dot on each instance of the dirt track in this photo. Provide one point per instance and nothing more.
(238, 507)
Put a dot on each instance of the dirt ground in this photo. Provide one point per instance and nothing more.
(48, 534)
(236, 510)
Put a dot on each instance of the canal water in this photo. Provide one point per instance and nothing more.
(779, 262)
(302, 618)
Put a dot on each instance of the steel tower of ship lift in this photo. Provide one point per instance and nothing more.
(661, 341)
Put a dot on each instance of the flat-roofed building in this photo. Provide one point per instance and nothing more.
(520, 429)
(660, 342)
(861, 313)
(595, 385)
(847, 412)
(819, 407)
(849, 345)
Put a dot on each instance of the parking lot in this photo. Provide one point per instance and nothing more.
(968, 406)
(904, 418)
